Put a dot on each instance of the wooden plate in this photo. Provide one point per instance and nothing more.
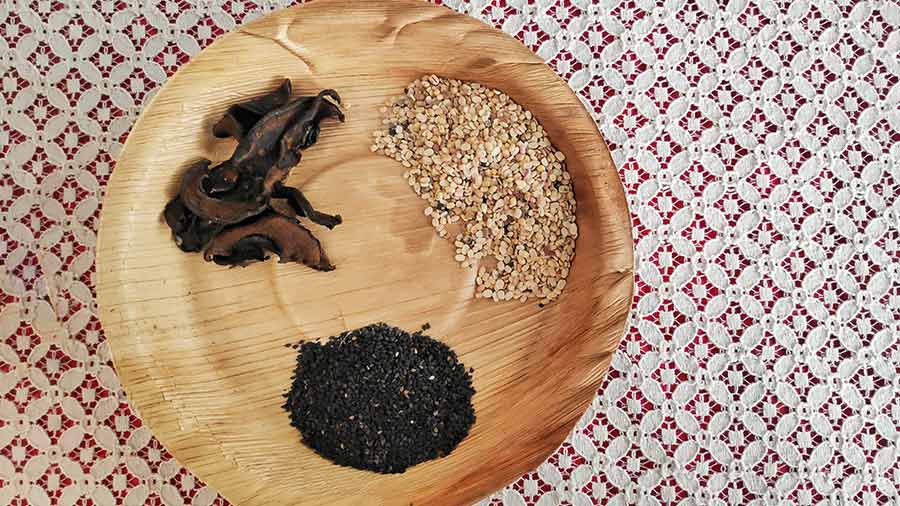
(201, 350)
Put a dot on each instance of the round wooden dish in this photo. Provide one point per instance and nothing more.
(200, 348)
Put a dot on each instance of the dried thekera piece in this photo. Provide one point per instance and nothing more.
(241, 186)
(304, 132)
(240, 118)
(268, 232)
(191, 232)
(225, 210)
(271, 130)
(302, 207)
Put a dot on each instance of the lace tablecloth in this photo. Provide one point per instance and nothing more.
(759, 144)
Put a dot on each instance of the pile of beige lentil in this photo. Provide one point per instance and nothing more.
(486, 168)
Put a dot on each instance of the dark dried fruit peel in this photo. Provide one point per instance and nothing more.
(269, 231)
(240, 118)
(234, 197)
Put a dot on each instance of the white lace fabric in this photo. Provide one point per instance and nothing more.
(759, 145)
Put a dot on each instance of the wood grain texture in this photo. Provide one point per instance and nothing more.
(200, 348)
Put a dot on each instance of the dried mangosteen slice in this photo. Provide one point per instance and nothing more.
(177, 216)
(304, 132)
(244, 203)
(301, 134)
(191, 232)
(285, 236)
(257, 148)
(249, 249)
(302, 207)
(240, 118)
(241, 186)
(272, 132)
(222, 178)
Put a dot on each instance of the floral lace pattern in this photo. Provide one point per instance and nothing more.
(759, 145)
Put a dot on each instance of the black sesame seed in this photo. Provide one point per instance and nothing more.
(381, 399)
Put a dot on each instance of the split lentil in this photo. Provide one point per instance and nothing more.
(487, 168)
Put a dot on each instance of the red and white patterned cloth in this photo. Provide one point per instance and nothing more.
(759, 145)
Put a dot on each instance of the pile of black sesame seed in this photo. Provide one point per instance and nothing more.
(380, 399)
